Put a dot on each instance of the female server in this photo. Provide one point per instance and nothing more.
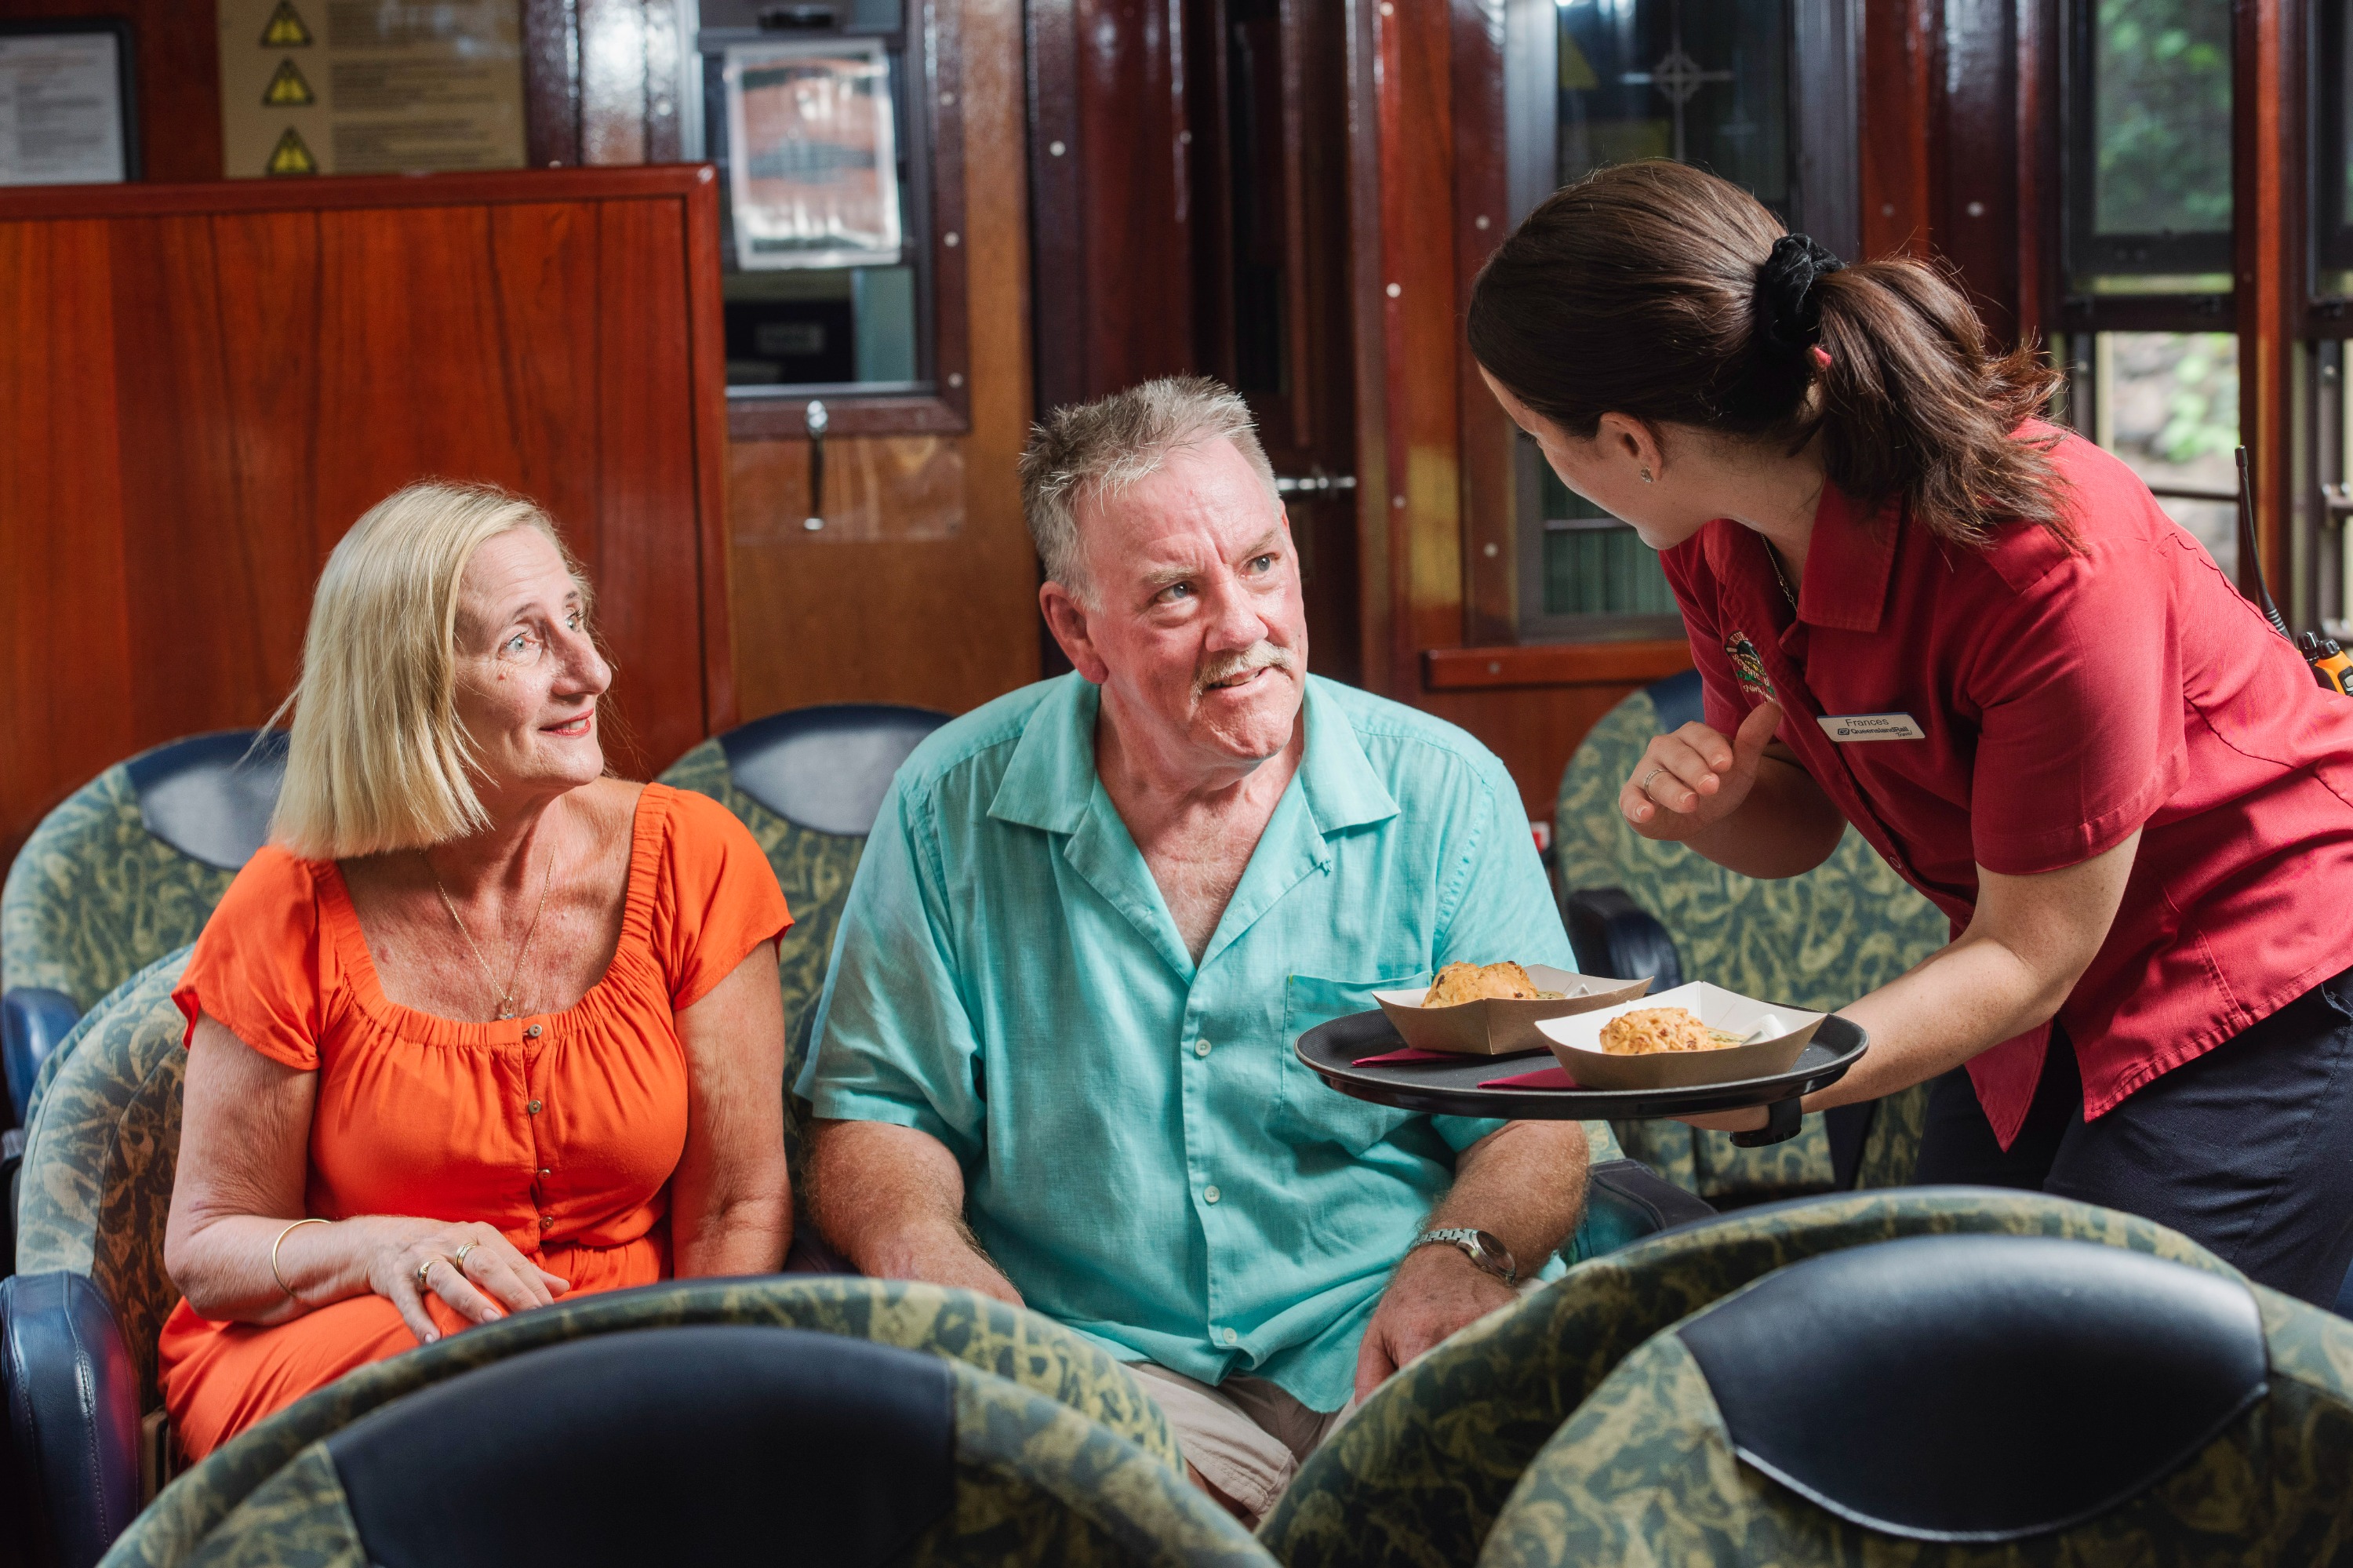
(1917, 609)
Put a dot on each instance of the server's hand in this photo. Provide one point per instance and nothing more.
(1688, 781)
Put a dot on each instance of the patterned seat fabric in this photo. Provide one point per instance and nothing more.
(96, 1184)
(1419, 1474)
(1645, 1472)
(1028, 1480)
(1818, 941)
(1009, 1344)
(814, 869)
(93, 897)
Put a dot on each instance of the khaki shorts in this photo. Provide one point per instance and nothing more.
(1246, 1436)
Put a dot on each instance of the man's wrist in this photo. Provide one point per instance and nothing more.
(1482, 1250)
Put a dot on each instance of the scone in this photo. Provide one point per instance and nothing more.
(1458, 983)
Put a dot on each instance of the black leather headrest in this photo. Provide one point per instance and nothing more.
(826, 768)
(210, 796)
(1980, 1387)
(731, 1444)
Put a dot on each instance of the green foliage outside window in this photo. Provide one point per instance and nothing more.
(2161, 71)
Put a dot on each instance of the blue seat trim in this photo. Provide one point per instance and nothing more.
(210, 796)
(34, 1020)
(1676, 700)
(73, 1416)
(826, 768)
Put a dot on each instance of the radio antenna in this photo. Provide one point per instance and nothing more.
(2251, 560)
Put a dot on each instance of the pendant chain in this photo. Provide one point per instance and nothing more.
(1774, 557)
(506, 1008)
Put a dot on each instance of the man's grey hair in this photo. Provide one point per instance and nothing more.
(1089, 450)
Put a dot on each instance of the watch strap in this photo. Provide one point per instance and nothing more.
(1475, 1246)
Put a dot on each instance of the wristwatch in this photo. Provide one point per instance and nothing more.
(1480, 1248)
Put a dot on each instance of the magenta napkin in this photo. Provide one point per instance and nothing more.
(1547, 1079)
(1392, 1059)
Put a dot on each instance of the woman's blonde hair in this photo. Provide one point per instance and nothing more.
(378, 759)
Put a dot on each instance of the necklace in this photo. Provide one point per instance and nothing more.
(1774, 557)
(506, 1007)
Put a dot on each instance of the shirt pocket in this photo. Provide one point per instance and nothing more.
(1308, 1111)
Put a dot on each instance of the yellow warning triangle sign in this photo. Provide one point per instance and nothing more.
(287, 90)
(285, 29)
(291, 155)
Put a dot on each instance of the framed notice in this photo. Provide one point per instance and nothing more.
(369, 87)
(65, 103)
(813, 166)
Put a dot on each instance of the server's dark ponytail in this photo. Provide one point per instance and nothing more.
(1658, 291)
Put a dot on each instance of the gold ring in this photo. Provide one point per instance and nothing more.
(425, 1268)
(460, 1257)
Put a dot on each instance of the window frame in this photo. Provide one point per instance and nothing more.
(1825, 201)
(926, 50)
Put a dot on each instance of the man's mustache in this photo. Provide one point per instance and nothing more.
(1224, 667)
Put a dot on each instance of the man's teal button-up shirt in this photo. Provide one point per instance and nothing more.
(1145, 1157)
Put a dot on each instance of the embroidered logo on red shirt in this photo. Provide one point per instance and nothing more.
(1748, 666)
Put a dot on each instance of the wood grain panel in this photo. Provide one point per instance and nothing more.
(1419, 337)
(201, 388)
(1976, 219)
(1899, 38)
(1532, 731)
(66, 682)
(888, 489)
(1555, 664)
(1482, 214)
(2267, 196)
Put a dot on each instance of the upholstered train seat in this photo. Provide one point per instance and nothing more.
(1111, 1423)
(807, 783)
(1420, 1474)
(1635, 906)
(128, 868)
(1960, 1400)
(718, 1444)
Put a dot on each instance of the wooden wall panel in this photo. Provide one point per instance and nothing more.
(1899, 48)
(948, 621)
(211, 384)
(1533, 730)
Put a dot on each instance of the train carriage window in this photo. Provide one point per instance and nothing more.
(2152, 364)
(1724, 86)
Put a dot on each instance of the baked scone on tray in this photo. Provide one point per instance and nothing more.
(1684, 1038)
(1493, 1009)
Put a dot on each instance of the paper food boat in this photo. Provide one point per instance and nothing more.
(1575, 1043)
(1491, 1027)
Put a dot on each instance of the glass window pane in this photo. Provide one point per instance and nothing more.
(1593, 564)
(2152, 159)
(1706, 84)
(2169, 406)
(835, 326)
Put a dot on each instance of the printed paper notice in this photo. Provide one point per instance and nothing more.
(60, 110)
(369, 87)
(813, 175)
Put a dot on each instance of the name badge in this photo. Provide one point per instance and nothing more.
(1845, 727)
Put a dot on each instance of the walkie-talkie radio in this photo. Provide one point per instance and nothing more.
(2331, 666)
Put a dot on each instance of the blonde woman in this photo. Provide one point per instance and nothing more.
(483, 1027)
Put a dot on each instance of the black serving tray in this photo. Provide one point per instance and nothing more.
(1452, 1088)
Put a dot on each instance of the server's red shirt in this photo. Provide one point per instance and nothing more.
(2063, 699)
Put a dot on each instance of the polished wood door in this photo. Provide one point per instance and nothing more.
(202, 387)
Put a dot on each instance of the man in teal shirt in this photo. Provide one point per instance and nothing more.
(1092, 919)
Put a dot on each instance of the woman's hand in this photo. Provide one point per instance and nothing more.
(1689, 781)
(495, 1280)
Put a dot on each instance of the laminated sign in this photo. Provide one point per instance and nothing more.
(369, 87)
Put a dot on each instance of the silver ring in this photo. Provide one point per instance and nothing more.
(1644, 786)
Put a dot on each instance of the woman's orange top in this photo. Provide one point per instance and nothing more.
(561, 1129)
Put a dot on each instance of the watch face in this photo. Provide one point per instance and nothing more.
(1498, 1256)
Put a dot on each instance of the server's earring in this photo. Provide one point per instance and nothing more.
(1646, 476)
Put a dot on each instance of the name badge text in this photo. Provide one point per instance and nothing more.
(1846, 728)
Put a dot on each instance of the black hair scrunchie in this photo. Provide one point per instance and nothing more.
(1786, 301)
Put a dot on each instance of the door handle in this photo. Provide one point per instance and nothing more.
(817, 420)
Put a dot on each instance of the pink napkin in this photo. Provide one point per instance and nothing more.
(1391, 1058)
(1545, 1078)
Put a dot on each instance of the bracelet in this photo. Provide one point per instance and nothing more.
(289, 1230)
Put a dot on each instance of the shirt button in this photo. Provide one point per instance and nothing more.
(544, 1170)
(545, 1221)
(1211, 1193)
(1227, 1335)
(1200, 1048)
(532, 1108)
(532, 1033)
